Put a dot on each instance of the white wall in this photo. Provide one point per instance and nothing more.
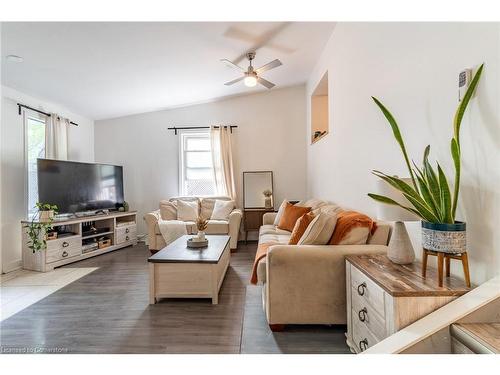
(270, 136)
(413, 68)
(80, 148)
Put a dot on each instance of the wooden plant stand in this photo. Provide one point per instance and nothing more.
(441, 257)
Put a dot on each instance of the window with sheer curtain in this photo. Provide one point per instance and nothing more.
(35, 148)
(196, 175)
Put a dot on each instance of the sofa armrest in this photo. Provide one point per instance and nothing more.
(151, 220)
(306, 284)
(234, 227)
(268, 218)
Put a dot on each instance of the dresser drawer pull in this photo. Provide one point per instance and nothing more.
(64, 254)
(127, 230)
(126, 238)
(361, 289)
(65, 244)
(363, 344)
(362, 314)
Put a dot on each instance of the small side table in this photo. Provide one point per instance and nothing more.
(445, 258)
(252, 219)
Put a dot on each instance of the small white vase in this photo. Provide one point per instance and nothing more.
(400, 249)
(267, 202)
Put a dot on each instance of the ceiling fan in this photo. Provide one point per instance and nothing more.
(251, 76)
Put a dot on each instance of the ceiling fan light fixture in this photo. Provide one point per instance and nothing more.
(250, 81)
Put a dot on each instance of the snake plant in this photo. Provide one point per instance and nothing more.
(429, 193)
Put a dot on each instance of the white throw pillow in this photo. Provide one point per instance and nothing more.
(319, 231)
(187, 211)
(280, 213)
(222, 209)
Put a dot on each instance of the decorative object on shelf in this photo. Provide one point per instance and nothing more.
(104, 242)
(429, 193)
(40, 225)
(400, 249)
(268, 201)
(126, 206)
(201, 224)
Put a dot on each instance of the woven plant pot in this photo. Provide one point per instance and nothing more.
(444, 238)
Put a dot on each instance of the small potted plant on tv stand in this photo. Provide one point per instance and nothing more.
(40, 224)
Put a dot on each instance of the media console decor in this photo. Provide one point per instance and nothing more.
(81, 238)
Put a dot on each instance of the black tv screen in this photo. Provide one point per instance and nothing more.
(77, 187)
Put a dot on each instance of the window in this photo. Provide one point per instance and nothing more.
(35, 148)
(195, 164)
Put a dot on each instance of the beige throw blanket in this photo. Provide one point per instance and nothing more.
(171, 229)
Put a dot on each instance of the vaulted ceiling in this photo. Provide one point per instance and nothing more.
(112, 69)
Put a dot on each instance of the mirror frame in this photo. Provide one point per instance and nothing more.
(272, 189)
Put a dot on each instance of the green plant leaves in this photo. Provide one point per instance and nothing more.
(445, 197)
(397, 135)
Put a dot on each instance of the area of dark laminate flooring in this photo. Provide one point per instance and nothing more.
(107, 311)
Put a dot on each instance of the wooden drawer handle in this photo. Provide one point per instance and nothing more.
(126, 238)
(363, 344)
(65, 244)
(361, 289)
(127, 230)
(362, 314)
(64, 254)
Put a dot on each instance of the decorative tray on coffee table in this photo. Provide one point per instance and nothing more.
(194, 243)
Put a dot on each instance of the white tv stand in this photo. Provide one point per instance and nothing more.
(122, 231)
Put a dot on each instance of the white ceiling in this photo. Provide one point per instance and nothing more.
(105, 70)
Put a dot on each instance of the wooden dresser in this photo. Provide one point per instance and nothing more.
(384, 297)
(252, 219)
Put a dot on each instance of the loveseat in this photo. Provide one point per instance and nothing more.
(167, 211)
(305, 284)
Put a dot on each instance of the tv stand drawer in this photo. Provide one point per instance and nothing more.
(63, 248)
(126, 234)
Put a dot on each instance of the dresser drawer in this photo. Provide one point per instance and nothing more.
(364, 314)
(63, 248)
(126, 234)
(363, 338)
(367, 290)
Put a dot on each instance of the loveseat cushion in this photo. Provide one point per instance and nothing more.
(276, 238)
(168, 210)
(217, 227)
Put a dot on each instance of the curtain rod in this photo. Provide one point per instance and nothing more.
(19, 105)
(201, 127)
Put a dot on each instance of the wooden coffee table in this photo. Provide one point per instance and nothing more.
(177, 271)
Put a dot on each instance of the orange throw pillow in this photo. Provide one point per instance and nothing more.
(290, 216)
(347, 221)
(300, 227)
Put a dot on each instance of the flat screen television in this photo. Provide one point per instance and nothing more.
(78, 187)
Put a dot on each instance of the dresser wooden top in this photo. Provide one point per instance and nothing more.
(487, 333)
(406, 280)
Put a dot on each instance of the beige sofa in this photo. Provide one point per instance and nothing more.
(305, 284)
(206, 205)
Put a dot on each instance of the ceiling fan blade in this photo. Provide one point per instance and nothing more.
(265, 82)
(234, 81)
(271, 65)
(232, 65)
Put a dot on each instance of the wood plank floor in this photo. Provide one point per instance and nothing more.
(107, 311)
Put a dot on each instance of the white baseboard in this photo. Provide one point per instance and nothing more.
(12, 266)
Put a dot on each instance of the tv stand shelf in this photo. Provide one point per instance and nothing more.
(68, 249)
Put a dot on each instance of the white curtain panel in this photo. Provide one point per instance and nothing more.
(222, 159)
(56, 137)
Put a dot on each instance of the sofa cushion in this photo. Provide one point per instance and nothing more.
(319, 231)
(168, 210)
(266, 229)
(290, 216)
(206, 207)
(222, 209)
(281, 209)
(217, 227)
(279, 238)
(300, 227)
(187, 211)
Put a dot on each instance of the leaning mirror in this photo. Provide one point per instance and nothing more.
(258, 189)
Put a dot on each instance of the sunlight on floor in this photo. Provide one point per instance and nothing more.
(20, 289)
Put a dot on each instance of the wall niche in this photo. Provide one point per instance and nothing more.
(319, 110)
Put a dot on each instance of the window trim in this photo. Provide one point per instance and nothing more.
(182, 155)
